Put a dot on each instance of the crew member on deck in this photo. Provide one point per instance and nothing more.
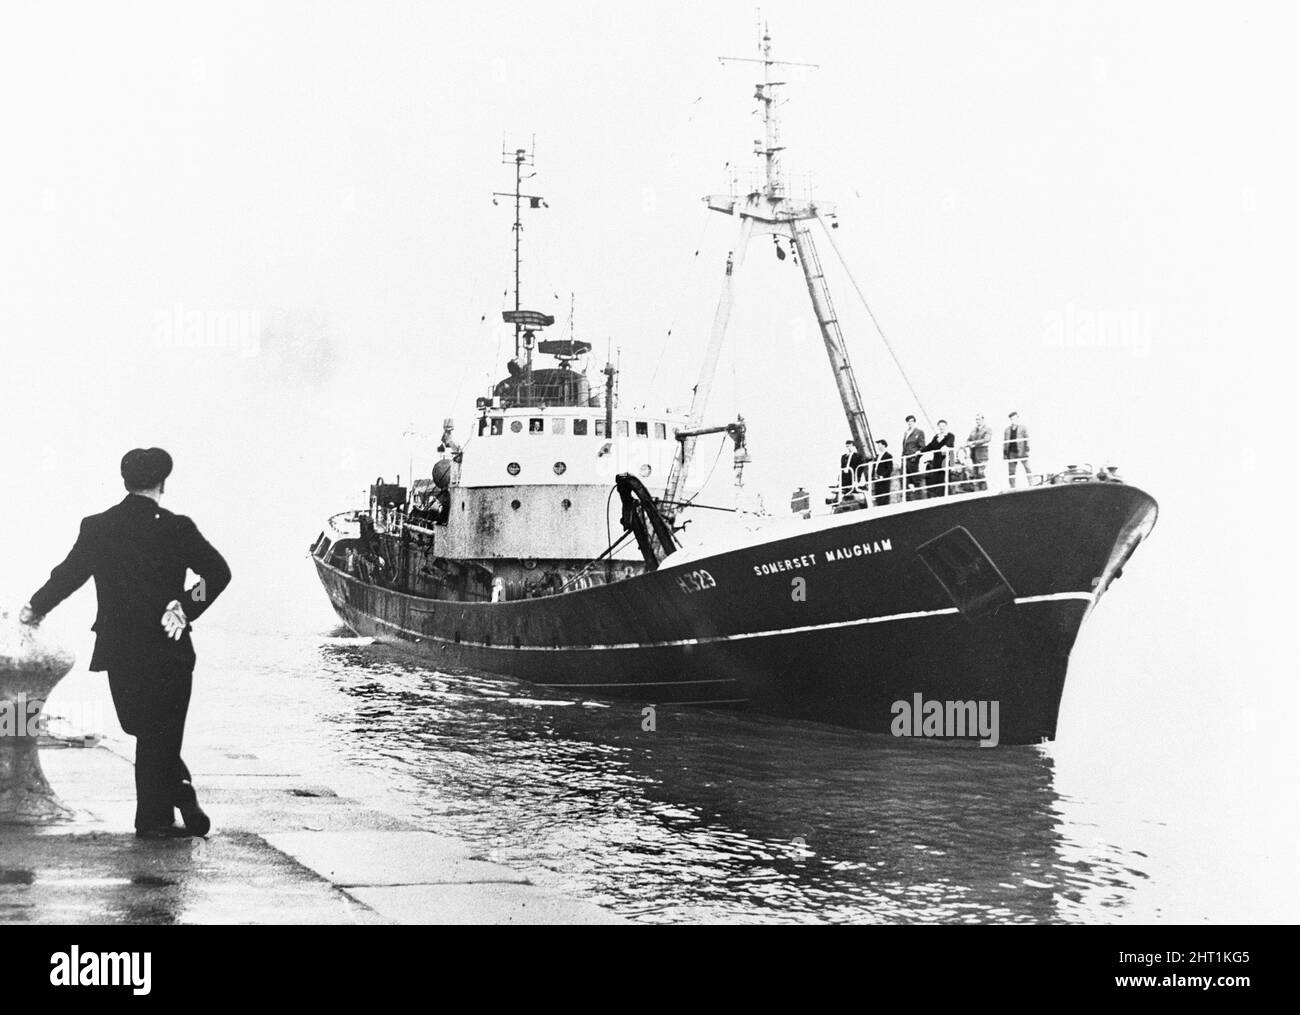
(851, 463)
(1015, 443)
(913, 446)
(978, 443)
(941, 444)
(882, 471)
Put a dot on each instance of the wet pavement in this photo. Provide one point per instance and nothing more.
(283, 851)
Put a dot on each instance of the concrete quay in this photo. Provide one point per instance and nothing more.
(283, 850)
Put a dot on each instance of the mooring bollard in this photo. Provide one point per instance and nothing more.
(30, 665)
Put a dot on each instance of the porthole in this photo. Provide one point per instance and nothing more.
(513, 468)
(645, 470)
(514, 505)
(559, 468)
(516, 426)
(566, 503)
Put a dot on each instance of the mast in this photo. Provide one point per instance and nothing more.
(521, 158)
(518, 230)
(525, 321)
(768, 209)
(833, 339)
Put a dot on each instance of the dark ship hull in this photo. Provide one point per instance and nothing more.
(954, 599)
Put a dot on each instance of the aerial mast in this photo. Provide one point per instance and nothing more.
(524, 321)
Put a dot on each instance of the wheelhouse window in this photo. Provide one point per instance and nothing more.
(600, 428)
(537, 425)
(661, 431)
(642, 428)
(498, 426)
(580, 428)
(620, 428)
(557, 426)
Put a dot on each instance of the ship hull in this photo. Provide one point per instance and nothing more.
(958, 599)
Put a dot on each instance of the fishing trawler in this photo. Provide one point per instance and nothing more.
(547, 543)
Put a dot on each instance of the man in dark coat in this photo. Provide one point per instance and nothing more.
(1015, 444)
(936, 470)
(882, 472)
(913, 446)
(978, 443)
(138, 553)
(851, 463)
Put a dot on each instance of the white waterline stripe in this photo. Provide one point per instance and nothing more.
(644, 683)
(709, 701)
(1055, 596)
(682, 642)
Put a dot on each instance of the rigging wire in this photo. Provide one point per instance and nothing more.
(609, 537)
(879, 330)
(681, 293)
(609, 551)
(484, 328)
(712, 468)
(536, 250)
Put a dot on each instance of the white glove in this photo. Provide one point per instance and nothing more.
(26, 616)
(174, 621)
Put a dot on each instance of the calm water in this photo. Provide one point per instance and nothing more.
(722, 815)
(716, 815)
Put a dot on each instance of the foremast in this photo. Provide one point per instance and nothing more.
(525, 321)
(768, 209)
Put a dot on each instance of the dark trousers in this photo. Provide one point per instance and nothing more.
(152, 699)
(915, 479)
(936, 478)
(881, 491)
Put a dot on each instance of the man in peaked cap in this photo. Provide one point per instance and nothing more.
(851, 463)
(138, 553)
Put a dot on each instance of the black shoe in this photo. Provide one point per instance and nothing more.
(163, 832)
(196, 822)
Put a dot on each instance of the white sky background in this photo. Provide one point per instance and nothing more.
(1084, 211)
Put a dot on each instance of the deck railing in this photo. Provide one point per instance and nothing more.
(949, 472)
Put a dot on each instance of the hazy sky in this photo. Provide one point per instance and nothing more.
(1077, 210)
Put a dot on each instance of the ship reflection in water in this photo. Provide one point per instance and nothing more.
(719, 815)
